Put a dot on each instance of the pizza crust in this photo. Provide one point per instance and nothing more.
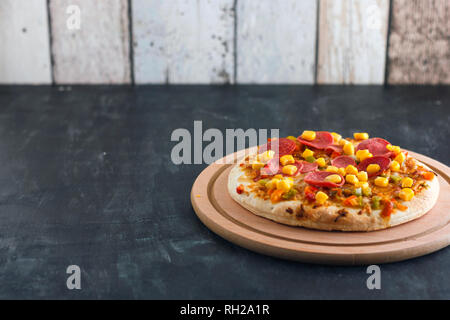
(331, 217)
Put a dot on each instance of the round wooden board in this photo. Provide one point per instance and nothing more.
(220, 213)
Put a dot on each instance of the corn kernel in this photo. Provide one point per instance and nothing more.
(278, 176)
(362, 176)
(341, 171)
(284, 185)
(289, 169)
(307, 153)
(272, 184)
(349, 149)
(395, 149)
(266, 156)
(351, 178)
(292, 138)
(362, 184)
(321, 162)
(287, 159)
(321, 197)
(381, 182)
(406, 194)
(309, 135)
(372, 168)
(351, 170)
(336, 137)
(361, 135)
(400, 158)
(367, 191)
(335, 178)
(257, 165)
(395, 166)
(343, 142)
(363, 154)
(331, 169)
(407, 182)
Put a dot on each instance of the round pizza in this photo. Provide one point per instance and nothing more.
(322, 181)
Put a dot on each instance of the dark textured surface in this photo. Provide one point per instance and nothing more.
(86, 178)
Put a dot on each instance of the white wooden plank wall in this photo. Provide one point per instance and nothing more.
(352, 41)
(183, 41)
(276, 41)
(24, 42)
(97, 52)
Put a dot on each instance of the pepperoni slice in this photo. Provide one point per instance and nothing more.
(317, 178)
(335, 148)
(308, 166)
(322, 140)
(376, 146)
(284, 145)
(271, 168)
(382, 161)
(343, 161)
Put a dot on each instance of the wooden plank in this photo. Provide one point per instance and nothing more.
(352, 41)
(97, 52)
(183, 41)
(276, 41)
(24, 41)
(419, 42)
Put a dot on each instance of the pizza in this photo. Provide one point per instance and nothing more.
(321, 180)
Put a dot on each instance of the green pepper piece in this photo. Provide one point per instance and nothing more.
(396, 179)
(358, 191)
(263, 181)
(376, 202)
(288, 195)
(310, 159)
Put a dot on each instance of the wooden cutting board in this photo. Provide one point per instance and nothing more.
(220, 213)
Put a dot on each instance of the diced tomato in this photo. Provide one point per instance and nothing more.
(310, 193)
(276, 196)
(428, 175)
(240, 189)
(350, 201)
(335, 154)
(388, 208)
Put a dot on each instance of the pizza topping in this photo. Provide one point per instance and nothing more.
(336, 137)
(362, 176)
(348, 148)
(381, 161)
(307, 166)
(381, 182)
(332, 169)
(388, 209)
(376, 147)
(271, 168)
(240, 189)
(343, 161)
(289, 169)
(334, 148)
(282, 145)
(321, 162)
(318, 178)
(395, 166)
(308, 135)
(400, 158)
(428, 175)
(363, 154)
(406, 194)
(361, 135)
(307, 153)
(310, 193)
(335, 178)
(321, 140)
(407, 182)
(321, 197)
(287, 159)
(352, 179)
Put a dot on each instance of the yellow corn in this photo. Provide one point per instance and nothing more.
(362, 176)
(335, 178)
(336, 137)
(321, 162)
(363, 154)
(292, 138)
(289, 169)
(349, 149)
(351, 178)
(257, 165)
(309, 135)
(266, 156)
(400, 158)
(284, 185)
(372, 168)
(341, 171)
(362, 184)
(395, 149)
(343, 142)
(321, 197)
(395, 166)
(307, 153)
(331, 169)
(381, 182)
(272, 184)
(287, 159)
(351, 170)
(406, 194)
(407, 182)
(361, 135)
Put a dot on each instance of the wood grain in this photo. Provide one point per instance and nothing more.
(419, 42)
(219, 212)
(276, 41)
(183, 41)
(352, 41)
(98, 52)
(24, 42)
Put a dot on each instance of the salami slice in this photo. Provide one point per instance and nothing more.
(271, 168)
(382, 161)
(308, 166)
(343, 161)
(284, 145)
(322, 140)
(335, 148)
(376, 146)
(317, 178)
